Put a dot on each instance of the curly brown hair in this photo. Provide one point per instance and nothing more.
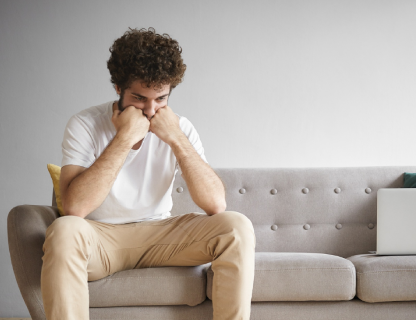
(146, 56)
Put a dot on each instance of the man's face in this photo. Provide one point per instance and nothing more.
(147, 99)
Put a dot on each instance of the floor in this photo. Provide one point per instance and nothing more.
(15, 318)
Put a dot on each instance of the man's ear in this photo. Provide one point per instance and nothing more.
(118, 90)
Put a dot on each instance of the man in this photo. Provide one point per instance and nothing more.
(118, 167)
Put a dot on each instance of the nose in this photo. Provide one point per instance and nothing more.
(150, 109)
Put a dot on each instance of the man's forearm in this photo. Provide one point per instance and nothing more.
(89, 190)
(205, 187)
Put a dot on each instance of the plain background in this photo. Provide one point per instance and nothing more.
(268, 84)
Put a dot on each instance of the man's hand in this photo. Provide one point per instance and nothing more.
(165, 125)
(131, 124)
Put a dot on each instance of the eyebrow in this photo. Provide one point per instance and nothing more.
(136, 94)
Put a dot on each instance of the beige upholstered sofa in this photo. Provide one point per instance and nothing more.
(314, 228)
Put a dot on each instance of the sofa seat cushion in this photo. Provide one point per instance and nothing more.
(385, 278)
(294, 276)
(151, 286)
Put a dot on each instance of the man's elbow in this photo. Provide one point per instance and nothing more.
(219, 207)
(71, 211)
(77, 213)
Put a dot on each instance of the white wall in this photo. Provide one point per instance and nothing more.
(269, 84)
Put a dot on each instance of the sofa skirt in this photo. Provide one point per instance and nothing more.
(320, 310)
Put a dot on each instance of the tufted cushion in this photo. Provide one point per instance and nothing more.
(326, 210)
(150, 286)
(292, 276)
(385, 278)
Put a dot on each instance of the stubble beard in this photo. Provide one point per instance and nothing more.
(120, 102)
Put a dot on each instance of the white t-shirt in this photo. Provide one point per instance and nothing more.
(143, 187)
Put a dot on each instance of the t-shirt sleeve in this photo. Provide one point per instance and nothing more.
(78, 144)
(193, 137)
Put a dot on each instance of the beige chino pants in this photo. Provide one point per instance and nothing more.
(78, 250)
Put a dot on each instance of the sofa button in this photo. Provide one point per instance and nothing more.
(337, 190)
(274, 227)
(305, 190)
(370, 226)
(273, 191)
(242, 190)
(306, 227)
(338, 226)
(179, 189)
(367, 190)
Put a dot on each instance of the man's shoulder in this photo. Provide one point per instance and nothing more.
(93, 116)
(96, 111)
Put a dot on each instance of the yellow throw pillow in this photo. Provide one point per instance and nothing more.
(55, 172)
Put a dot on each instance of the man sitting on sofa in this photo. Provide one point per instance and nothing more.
(118, 167)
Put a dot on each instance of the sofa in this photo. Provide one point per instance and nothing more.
(314, 229)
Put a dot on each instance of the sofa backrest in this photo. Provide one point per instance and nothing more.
(321, 210)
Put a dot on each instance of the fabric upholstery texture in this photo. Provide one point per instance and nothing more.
(297, 276)
(321, 217)
(286, 310)
(55, 172)
(26, 227)
(385, 278)
(317, 210)
(151, 286)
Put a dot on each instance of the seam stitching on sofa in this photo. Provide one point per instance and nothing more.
(149, 278)
(347, 269)
(367, 272)
(24, 271)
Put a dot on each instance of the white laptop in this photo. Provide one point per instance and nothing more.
(396, 221)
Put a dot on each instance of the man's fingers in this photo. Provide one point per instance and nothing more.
(116, 113)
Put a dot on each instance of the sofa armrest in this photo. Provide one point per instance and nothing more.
(26, 228)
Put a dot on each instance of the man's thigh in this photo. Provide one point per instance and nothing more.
(178, 240)
(195, 237)
(147, 243)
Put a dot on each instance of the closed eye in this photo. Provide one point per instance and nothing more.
(141, 98)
